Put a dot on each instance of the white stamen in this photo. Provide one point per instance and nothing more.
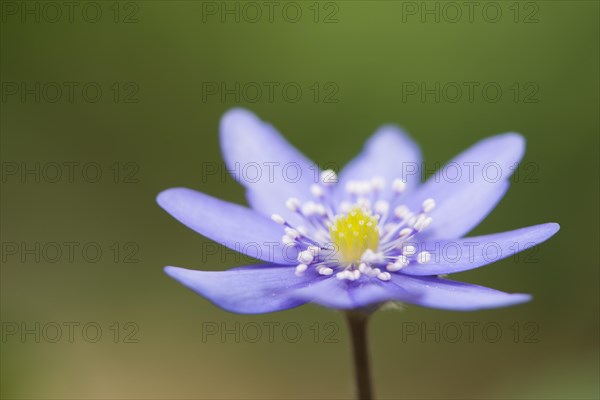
(401, 211)
(325, 271)
(309, 208)
(314, 250)
(402, 260)
(345, 206)
(351, 187)
(374, 272)
(409, 250)
(428, 205)
(355, 274)
(305, 257)
(301, 268)
(329, 177)
(378, 183)
(423, 257)
(316, 190)
(292, 233)
(278, 218)
(364, 203)
(405, 232)
(287, 240)
(384, 276)
(418, 220)
(393, 267)
(293, 204)
(364, 268)
(398, 185)
(320, 209)
(422, 223)
(382, 206)
(342, 275)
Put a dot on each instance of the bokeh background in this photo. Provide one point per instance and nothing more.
(154, 126)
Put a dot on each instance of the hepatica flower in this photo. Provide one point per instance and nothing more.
(371, 235)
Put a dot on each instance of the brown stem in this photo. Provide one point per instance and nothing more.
(357, 324)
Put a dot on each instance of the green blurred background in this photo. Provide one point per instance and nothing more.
(151, 128)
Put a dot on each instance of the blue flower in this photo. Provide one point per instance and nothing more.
(371, 235)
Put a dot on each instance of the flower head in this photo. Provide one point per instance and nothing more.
(371, 235)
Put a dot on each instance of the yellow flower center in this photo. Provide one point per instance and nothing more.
(353, 234)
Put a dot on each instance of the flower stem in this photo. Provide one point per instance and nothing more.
(357, 324)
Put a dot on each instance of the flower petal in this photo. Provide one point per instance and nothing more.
(269, 167)
(457, 296)
(468, 188)
(245, 290)
(231, 225)
(342, 294)
(452, 256)
(423, 291)
(389, 153)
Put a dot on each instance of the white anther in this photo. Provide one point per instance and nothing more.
(364, 268)
(355, 274)
(309, 208)
(320, 209)
(364, 188)
(364, 203)
(287, 240)
(398, 185)
(329, 177)
(325, 271)
(428, 205)
(301, 268)
(392, 267)
(316, 190)
(426, 223)
(292, 233)
(293, 204)
(409, 250)
(378, 257)
(303, 231)
(405, 232)
(378, 183)
(345, 206)
(422, 223)
(418, 221)
(368, 256)
(374, 272)
(351, 187)
(278, 218)
(384, 276)
(342, 275)
(314, 250)
(423, 257)
(402, 260)
(401, 211)
(382, 206)
(305, 257)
